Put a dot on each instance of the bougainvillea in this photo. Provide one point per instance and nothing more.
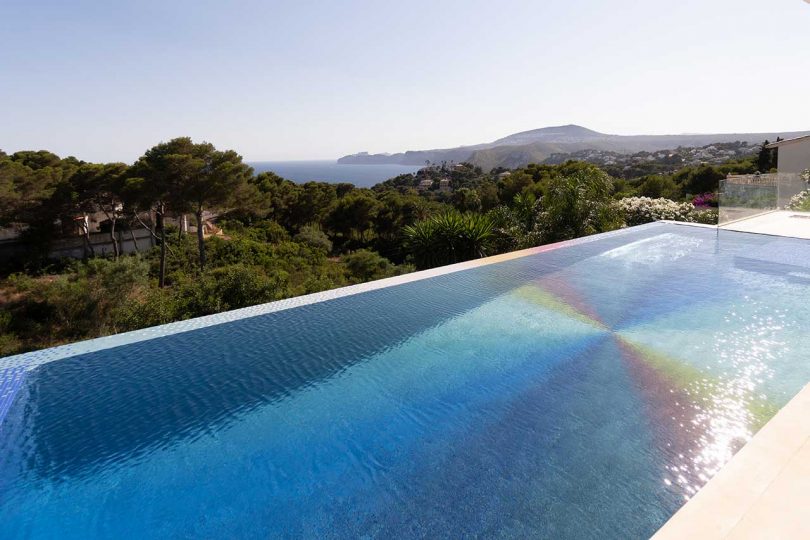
(706, 200)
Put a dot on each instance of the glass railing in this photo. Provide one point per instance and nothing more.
(790, 185)
(748, 195)
(744, 196)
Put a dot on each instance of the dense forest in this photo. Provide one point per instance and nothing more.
(260, 237)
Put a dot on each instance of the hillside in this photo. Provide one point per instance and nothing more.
(537, 145)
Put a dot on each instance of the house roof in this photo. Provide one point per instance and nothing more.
(788, 141)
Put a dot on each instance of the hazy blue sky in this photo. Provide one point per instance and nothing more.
(103, 80)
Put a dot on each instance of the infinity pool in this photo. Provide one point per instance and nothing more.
(583, 390)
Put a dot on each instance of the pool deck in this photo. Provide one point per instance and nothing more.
(763, 492)
(776, 223)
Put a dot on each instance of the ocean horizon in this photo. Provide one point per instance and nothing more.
(333, 172)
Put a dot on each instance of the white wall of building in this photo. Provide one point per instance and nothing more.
(794, 157)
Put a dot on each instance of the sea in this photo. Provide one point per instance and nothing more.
(333, 172)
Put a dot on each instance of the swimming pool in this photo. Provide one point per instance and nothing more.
(583, 390)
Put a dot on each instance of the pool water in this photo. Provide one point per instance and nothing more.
(585, 391)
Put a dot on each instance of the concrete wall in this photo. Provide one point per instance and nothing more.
(102, 245)
(73, 247)
(794, 157)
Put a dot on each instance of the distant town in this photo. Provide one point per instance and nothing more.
(660, 162)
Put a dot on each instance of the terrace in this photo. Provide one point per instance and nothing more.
(761, 203)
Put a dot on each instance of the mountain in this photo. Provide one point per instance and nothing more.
(558, 134)
(536, 145)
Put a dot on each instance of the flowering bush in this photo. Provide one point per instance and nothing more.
(706, 200)
(800, 201)
(638, 210)
(708, 216)
(806, 175)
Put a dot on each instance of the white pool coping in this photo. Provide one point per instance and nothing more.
(763, 492)
(787, 223)
(33, 359)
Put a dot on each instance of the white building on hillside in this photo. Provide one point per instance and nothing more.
(425, 184)
(793, 155)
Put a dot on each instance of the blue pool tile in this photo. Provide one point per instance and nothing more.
(584, 391)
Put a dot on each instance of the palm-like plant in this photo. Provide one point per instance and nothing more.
(578, 205)
(448, 238)
(516, 226)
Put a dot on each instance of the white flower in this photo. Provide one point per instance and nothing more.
(638, 210)
(801, 201)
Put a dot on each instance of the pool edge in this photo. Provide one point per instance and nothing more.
(762, 492)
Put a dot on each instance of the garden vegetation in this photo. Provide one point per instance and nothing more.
(259, 237)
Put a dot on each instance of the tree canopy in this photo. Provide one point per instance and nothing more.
(262, 237)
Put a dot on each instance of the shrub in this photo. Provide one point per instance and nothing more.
(639, 210)
(516, 227)
(84, 302)
(241, 250)
(307, 268)
(700, 179)
(364, 265)
(706, 200)
(658, 186)
(313, 236)
(708, 216)
(578, 205)
(267, 231)
(230, 287)
(9, 342)
(448, 238)
(154, 307)
(800, 202)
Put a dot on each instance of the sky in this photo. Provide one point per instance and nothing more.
(288, 80)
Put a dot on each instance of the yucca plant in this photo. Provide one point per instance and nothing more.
(448, 238)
